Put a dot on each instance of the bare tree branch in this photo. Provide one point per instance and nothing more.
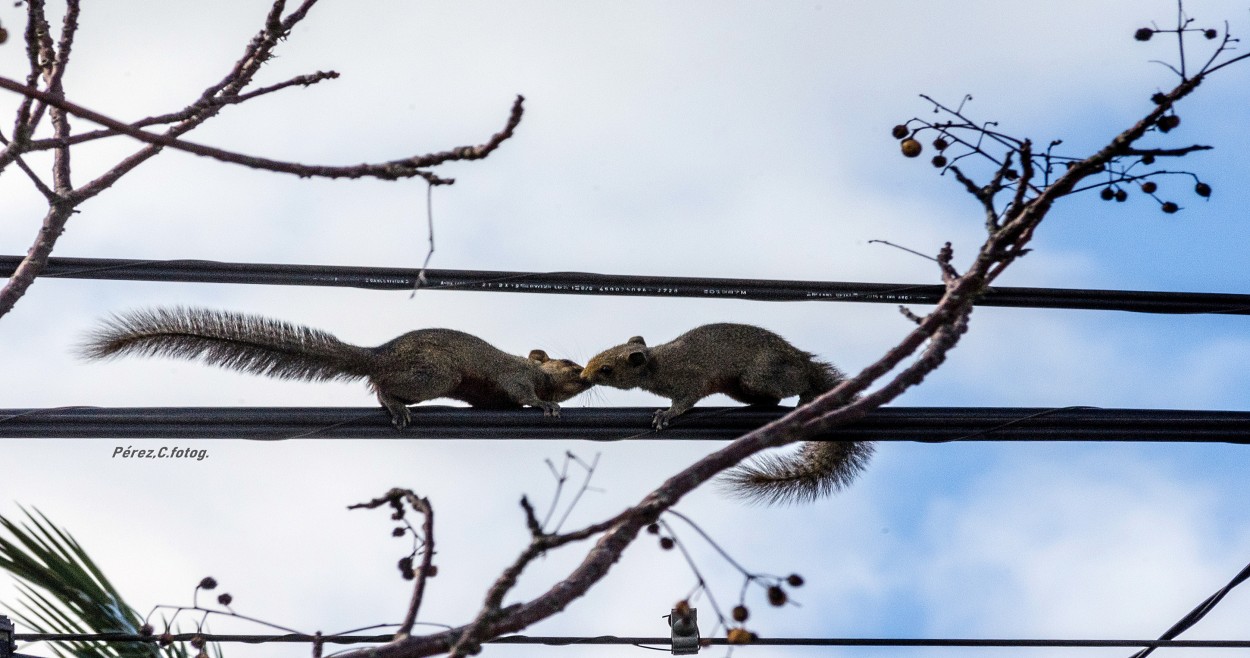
(35, 180)
(396, 498)
(48, 62)
(393, 170)
(302, 80)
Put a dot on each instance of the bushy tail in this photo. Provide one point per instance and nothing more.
(237, 341)
(817, 469)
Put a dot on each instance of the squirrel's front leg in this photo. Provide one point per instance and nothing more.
(527, 396)
(679, 407)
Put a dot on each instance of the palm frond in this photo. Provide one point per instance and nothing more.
(62, 590)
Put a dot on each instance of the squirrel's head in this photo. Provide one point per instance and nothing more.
(565, 376)
(623, 366)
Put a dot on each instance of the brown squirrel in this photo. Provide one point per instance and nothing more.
(751, 365)
(419, 365)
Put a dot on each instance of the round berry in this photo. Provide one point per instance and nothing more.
(1121, 195)
(794, 580)
(1149, 187)
(1203, 190)
(940, 144)
(1169, 207)
(900, 131)
(1143, 34)
(939, 161)
(740, 613)
(1210, 34)
(777, 596)
(911, 148)
(1107, 194)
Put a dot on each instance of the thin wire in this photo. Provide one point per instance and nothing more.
(663, 641)
(419, 282)
(1199, 612)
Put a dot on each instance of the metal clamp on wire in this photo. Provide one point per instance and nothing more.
(8, 642)
(683, 622)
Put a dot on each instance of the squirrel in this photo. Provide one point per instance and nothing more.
(752, 365)
(419, 365)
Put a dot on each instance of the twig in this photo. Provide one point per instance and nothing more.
(396, 498)
(590, 472)
(181, 115)
(410, 167)
(902, 248)
(429, 220)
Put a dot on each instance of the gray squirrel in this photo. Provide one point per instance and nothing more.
(752, 365)
(417, 366)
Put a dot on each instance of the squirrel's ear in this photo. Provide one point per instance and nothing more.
(637, 358)
(539, 356)
(636, 339)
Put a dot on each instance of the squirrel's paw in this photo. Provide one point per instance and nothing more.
(550, 409)
(400, 417)
(660, 420)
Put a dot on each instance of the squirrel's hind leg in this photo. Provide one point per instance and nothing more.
(400, 416)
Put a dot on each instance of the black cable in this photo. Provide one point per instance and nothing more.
(585, 283)
(664, 641)
(1166, 641)
(1199, 612)
(923, 424)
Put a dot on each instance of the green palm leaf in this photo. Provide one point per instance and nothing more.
(61, 590)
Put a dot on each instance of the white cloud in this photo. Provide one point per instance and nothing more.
(1083, 547)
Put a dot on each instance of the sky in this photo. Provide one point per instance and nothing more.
(723, 139)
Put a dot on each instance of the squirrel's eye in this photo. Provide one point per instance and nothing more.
(605, 370)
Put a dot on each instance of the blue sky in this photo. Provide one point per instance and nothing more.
(738, 139)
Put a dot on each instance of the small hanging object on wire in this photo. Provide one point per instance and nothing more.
(429, 219)
(683, 623)
(8, 645)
